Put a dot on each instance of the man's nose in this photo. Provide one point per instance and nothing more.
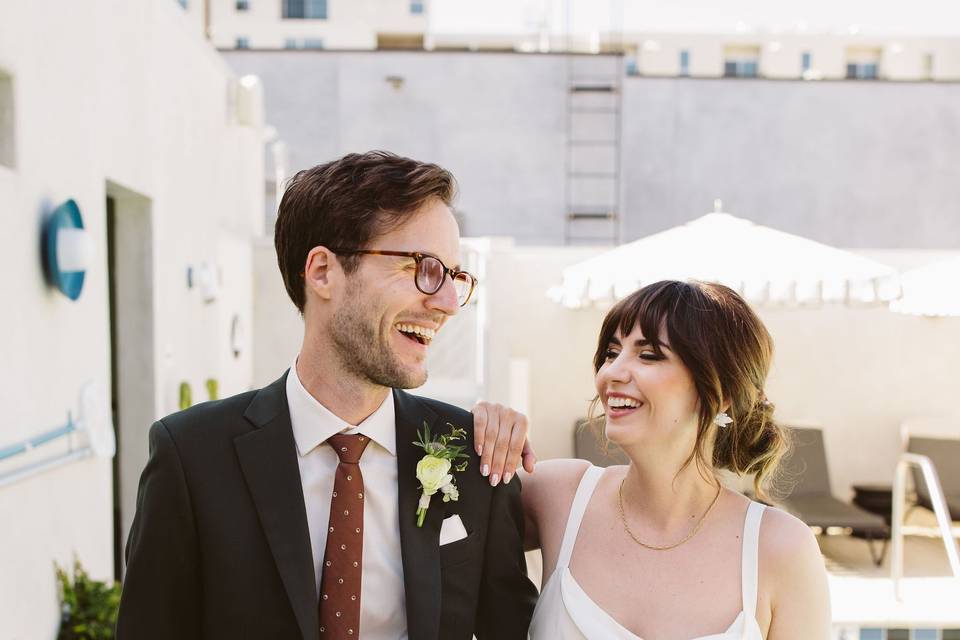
(445, 299)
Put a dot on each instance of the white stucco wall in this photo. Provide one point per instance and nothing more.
(858, 372)
(125, 99)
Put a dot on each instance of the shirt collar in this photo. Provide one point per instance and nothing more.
(313, 423)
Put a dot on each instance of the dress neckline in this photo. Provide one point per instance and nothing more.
(592, 616)
(568, 584)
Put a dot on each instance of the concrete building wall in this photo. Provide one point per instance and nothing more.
(851, 163)
(846, 163)
(495, 120)
(127, 101)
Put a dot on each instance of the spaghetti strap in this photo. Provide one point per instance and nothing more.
(749, 560)
(584, 490)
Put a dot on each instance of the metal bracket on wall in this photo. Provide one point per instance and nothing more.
(28, 445)
(94, 418)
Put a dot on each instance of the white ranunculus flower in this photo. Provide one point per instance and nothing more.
(433, 473)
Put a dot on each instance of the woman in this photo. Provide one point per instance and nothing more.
(658, 549)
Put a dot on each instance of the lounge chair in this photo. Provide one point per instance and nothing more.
(810, 498)
(587, 446)
(941, 444)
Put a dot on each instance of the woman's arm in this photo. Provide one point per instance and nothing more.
(547, 496)
(799, 593)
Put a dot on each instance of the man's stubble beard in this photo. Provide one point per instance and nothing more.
(362, 352)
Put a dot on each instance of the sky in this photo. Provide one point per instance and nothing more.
(882, 17)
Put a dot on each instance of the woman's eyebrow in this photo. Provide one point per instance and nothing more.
(656, 345)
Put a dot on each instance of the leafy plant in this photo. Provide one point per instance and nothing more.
(89, 607)
(186, 395)
(213, 388)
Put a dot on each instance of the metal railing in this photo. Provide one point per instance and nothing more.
(940, 510)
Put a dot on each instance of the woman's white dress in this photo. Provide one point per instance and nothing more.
(566, 612)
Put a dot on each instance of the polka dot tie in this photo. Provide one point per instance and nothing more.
(343, 557)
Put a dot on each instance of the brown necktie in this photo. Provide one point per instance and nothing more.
(343, 555)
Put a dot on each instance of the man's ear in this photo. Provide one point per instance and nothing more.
(321, 272)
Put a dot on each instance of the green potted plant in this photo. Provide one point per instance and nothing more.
(89, 607)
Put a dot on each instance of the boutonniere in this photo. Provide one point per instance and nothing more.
(433, 470)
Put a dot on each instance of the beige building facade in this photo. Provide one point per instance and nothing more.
(314, 24)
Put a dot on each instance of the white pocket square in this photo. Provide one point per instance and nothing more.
(452, 530)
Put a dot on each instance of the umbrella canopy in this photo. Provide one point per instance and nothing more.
(764, 265)
(931, 290)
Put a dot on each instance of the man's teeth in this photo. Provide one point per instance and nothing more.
(420, 331)
(622, 402)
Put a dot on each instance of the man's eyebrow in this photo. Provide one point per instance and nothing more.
(456, 267)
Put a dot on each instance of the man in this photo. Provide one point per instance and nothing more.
(291, 512)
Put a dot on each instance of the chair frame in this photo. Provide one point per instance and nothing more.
(944, 523)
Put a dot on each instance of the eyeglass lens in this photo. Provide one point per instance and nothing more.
(430, 274)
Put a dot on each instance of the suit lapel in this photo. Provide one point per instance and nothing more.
(419, 546)
(268, 457)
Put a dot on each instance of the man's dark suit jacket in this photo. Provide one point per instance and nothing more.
(219, 546)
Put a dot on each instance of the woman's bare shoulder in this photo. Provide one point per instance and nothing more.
(794, 577)
(785, 538)
(789, 554)
(553, 483)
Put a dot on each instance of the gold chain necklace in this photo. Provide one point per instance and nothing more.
(653, 547)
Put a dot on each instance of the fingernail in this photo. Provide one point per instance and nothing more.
(494, 480)
(485, 471)
(479, 450)
(506, 477)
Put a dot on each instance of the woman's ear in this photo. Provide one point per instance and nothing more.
(321, 272)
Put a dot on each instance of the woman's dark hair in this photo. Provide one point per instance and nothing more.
(728, 351)
(346, 204)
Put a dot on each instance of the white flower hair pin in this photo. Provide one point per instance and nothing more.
(722, 420)
(433, 470)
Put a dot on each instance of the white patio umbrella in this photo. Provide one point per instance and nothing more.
(764, 265)
(931, 290)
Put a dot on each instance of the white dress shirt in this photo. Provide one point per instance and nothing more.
(382, 602)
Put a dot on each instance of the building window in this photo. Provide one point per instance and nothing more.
(182, 3)
(740, 68)
(243, 5)
(312, 43)
(305, 9)
(290, 43)
(806, 61)
(631, 65)
(862, 71)
(416, 7)
(741, 62)
(684, 63)
(863, 63)
(243, 42)
(928, 66)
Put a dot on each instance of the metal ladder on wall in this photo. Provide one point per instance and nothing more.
(594, 100)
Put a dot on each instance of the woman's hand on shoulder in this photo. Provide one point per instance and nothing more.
(791, 561)
(548, 493)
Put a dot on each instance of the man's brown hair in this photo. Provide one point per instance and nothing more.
(347, 203)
